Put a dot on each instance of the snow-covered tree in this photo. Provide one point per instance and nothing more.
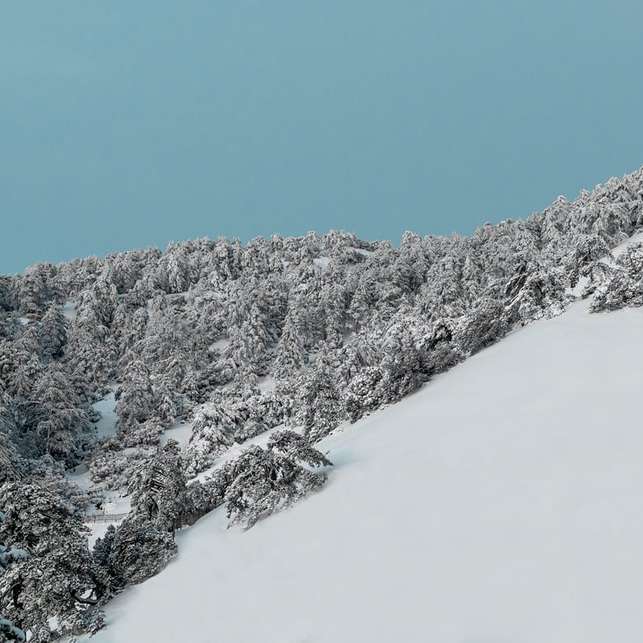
(157, 488)
(290, 354)
(136, 399)
(61, 424)
(50, 569)
(263, 481)
(53, 332)
(622, 284)
(10, 632)
(319, 405)
(135, 551)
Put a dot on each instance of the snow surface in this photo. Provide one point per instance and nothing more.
(180, 431)
(220, 345)
(69, 310)
(106, 426)
(322, 263)
(236, 450)
(266, 384)
(114, 506)
(363, 251)
(637, 237)
(609, 260)
(500, 504)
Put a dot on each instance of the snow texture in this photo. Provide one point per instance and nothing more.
(499, 504)
(322, 263)
(69, 310)
(106, 426)
(179, 431)
(114, 505)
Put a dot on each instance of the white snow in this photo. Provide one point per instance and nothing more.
(181, 432)
(236, 450)
(362, 251)
(80, 476)
(322, 263)
(113, 506)
(98, 530)
(113, 510)
(106, 426)
(116, 504)
(267, 384)
(637, 237)
(69, 310)
(609, 260)
(500, 504)
(220, 345)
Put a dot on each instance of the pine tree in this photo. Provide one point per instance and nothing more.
(484, 325)
(289, 357)
(61, 424)
(297, 448)
(333, 298)
(263, 481)
(34, 290)
(623, 284)
(403, 364)
(136, 400)
(53, 333)
(55, 574)
(139, 549)
(212, 434)
(158, 487)
(320, 408)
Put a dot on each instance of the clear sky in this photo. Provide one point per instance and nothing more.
(127, 124)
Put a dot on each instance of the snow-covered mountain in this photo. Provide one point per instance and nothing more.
(499, 504)
(456, 412)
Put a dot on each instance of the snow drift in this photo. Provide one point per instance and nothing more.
(500, 504)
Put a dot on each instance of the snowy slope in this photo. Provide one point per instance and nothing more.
(106, 426)
(500, 504)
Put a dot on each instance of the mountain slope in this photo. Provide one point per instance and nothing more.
(218, 343)
(501, 503)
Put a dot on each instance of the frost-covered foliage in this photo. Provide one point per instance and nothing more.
(144, 542)
(46, 568)
(620, 284)
(232, 340)
(157, 488)
(113, 467)
(10, 632)
(262, 481)
(256, 484)
(233, 416)
(134, 551)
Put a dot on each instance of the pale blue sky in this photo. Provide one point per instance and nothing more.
(128, 124)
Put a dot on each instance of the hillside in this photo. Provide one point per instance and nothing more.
(499, 503)
(142, 391)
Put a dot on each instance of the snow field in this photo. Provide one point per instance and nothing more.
(500, 504)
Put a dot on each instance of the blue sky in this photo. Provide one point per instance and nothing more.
(129, 124)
